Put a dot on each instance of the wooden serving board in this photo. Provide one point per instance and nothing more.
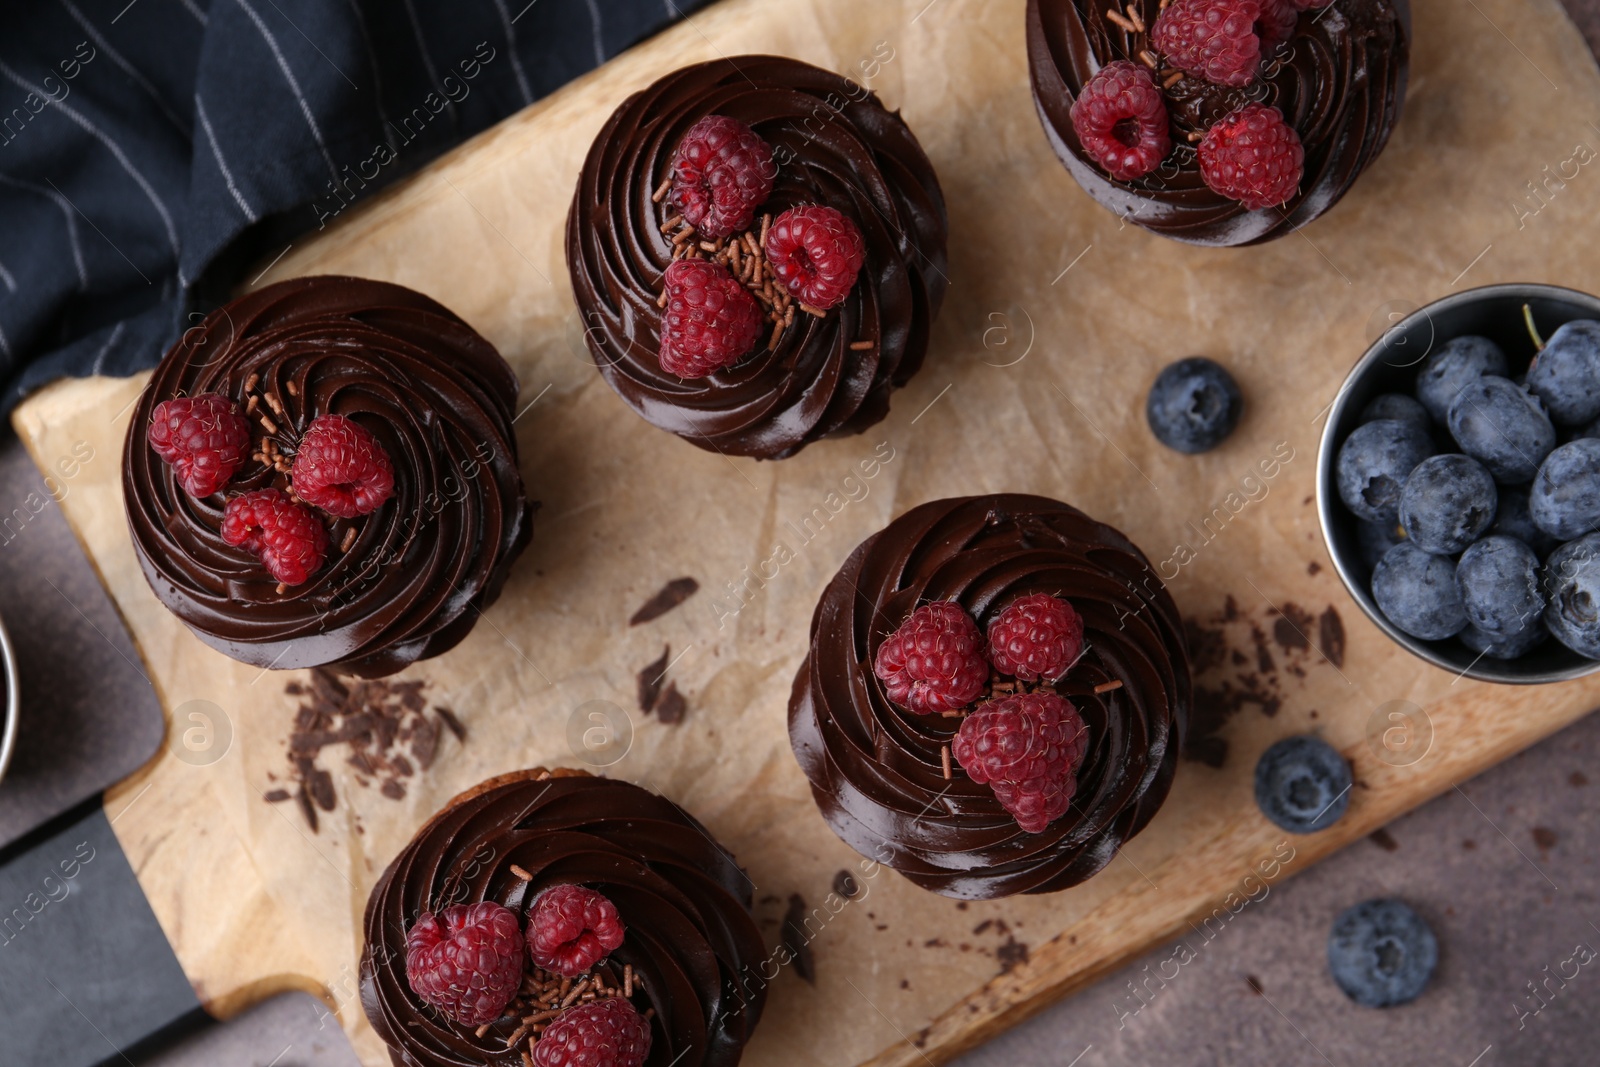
(1057, 319)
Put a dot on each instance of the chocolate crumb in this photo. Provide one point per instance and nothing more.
(844, 884)
(1469, 844)
(276, 796)
(320, 785)
(1384, 840)
(1578, 778)
(451, 722)
(796, 940)
(1255, 984)
(393, 790)
(1011, 954)
(1545, 838)
(307, 808)
(671, 708)
(671, 595)
(1330, 632)
(1290, 628)
(1313, 568)
(650, 679)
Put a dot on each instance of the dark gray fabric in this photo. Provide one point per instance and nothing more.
(152, 151)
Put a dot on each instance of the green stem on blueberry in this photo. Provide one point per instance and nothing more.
(1533, 331)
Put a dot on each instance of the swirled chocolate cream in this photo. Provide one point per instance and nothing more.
(995, 697)
(547, 912)
(757, 248)
(1218, 122)
(323, 473)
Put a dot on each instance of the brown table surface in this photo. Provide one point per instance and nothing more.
(1503, 869)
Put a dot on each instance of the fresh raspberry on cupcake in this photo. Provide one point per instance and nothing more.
(934, 661)
(816, 253)
(340, 468)
(571, 928)
(608, 1032)
(1121, 120)
(289, 540)
(1253, 156)
(1218, 40)
(1028, 749)
(722, 172)
(1036, 638)
(203, 438)
(711, 321)
(466, 961)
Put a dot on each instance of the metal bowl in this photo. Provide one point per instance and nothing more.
(12, 709)
(1390, 366)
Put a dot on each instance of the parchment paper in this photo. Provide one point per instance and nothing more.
(1058, 318)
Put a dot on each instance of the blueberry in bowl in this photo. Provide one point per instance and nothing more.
(1458, 483)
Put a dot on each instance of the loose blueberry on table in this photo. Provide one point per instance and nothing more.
(1303, 784)
(730, 279)
(479, 968)
(1194, 405)
(1017, 734)
(1382, 953)
(1474, 526)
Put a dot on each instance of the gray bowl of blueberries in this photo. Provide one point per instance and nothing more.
(1458, 483)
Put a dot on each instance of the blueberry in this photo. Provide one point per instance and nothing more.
(1502, 427)
(1375, 539)
(1374, 463)
(1193, 405)
(1572, 580)
(1499, 579)
(1494, 648)
(1381, 953)
(1396, 406)
(1302, 784)
(1566, 374)
(1447, 503)
(1513, 519)
(1418, 593)
(1565, 501)
(1448, 370)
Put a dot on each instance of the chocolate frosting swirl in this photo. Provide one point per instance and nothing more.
(421, 568)
(1340, 81)
(835, 144)
(876, 770)
(684, 902)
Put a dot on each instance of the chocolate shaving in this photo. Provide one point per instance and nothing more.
(1330, 635)
(650, 679)
(671, 595)
(796, 940)
(383, 723)
(276, 796)
(671, 708)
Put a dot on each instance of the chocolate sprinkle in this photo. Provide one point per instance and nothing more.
(650, 679)
(671, 595)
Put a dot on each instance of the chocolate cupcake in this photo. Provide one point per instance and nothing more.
(324, 473)
(1173, 120)
(668, 911)
(968, 620)
(819, 227)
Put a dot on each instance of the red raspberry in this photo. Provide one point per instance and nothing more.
(1028, 748)
(1277, 23)
(466, 962)
(290, 541)
(571, 929)
(711, 319)
(341, 468)
(1036, 637)
(1121, 120)
(1253, 156)
(1213, 39)
(934, 662)
(721, 172)
(816, 252)
(204, 438)
(608, 1032)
